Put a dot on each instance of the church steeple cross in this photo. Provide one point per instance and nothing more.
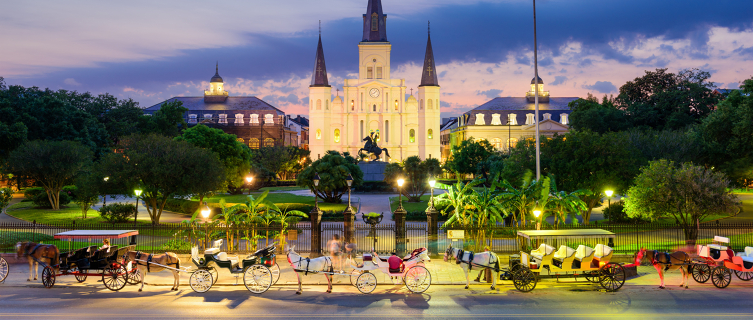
(428, 68)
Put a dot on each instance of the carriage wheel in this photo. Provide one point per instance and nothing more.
(524, 280)
(701, 272)
(612, 277)
(4, 269)
(366, 282)
(257, 278)
(354, 275)
(275, 269)
(134, 276)
(80, 277)
(115, 277)
(592, 276)
(48, 277)
(215, 274)
(721, 277)
(201, 281)
(742, 275)
(417, 279)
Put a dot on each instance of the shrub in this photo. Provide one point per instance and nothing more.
(176, 245)
(336, 216)
(419, 216)
(182, 206)
(70, 191)
(30, 193)
(117, 212)
(375, 186)
(41, 200)
(615, 212)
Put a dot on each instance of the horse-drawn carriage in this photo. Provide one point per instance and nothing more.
(89, 261)
(259, 270)
(411, 271)
(4, 269)
(719, 256)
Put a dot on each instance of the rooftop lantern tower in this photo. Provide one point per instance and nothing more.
(543, 95)
(216, 92)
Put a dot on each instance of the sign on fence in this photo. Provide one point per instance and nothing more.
(292, 235)
(455, 234)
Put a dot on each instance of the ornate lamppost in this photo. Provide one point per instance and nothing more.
(137, 192)
(432, 216)
(205, 214)
(316, 220)
(249, 179)
(537, 213)
(400, 183)
(399, 217)
(349, 215)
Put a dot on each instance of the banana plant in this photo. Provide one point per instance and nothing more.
(457, 198)
(524, 200)
(561, 204)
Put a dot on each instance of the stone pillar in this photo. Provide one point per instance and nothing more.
(349, 230)
(316, 231)
(432, 229)
(400, 232)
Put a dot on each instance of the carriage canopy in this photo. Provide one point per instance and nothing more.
(96, 234)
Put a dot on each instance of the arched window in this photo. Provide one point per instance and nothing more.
(352, 105)
(374, 108)
(240, 140)
(497, 143)
(374, 22)
(430, 134)
(395, 105)
(337, 135)
(269, 142)
(412, 136)
(511, 143)
(318, 134)
(421, 105)
(253, 143)
(430, 105)
(254, 118)
(318, 104)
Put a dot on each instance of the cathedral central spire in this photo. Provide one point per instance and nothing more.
(374, 23)
(429, 72)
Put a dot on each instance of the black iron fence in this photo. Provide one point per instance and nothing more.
(179, 238)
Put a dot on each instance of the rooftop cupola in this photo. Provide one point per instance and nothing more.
(216, 92)
(374, 23)
(543, 95)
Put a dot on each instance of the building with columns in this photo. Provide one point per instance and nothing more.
(375, 102)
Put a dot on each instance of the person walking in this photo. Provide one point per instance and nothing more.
(335, 251)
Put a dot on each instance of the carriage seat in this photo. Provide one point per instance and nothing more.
(602, 252)
(542, 251)
(746, 255)
(414, 254)
(563, 253)
(212, 251)
(583, 252)
(222, 256)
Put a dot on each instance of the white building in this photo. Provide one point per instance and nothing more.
(375, 102)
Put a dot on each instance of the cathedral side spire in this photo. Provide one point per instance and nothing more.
(429, 72)
(374, 23)
(319, 77)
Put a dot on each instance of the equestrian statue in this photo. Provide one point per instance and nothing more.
(371, 146)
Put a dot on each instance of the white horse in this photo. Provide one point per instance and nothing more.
(307, 265)
(145, 262)
(481, 260)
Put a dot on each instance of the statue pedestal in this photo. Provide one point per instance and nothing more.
(373, 170)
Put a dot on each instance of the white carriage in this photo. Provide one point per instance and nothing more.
(723, 259)
(413, 272)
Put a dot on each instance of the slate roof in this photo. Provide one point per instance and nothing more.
(319, 77)
(301, 121)
(231, 103)
(429, 73)
(521, 103)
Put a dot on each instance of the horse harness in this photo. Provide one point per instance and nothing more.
(30, 254)
(459, 258)
(308, 261)
(149, 260)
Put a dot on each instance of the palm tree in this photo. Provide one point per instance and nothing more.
(524, 200)
(562, 204)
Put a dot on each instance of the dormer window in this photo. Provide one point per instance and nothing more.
(192, 118)
(374, 22)
(529, 118)
(495, 119)
(268, 119)
(223, 118)
(547, 116)
(563, 119)
(512, 119)
(254, 118)
(480, 119)
(238, 118)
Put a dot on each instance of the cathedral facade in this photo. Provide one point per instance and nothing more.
(374, 104)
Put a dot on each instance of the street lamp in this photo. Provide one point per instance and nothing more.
(138, 194)
(205, 214)
(609, 194)
(104, 197)
(316, 184)
(537, 213)
(400, 192)
(249, 179)
(349, 181)
(432, 182)
(536, 92)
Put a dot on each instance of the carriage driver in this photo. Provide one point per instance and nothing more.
(396, 263)
(105, 244)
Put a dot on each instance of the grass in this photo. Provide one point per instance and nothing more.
(280, 199)
(27, 211)
(289, 188)
(410, 206)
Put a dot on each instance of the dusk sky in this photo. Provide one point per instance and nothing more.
(153, 50)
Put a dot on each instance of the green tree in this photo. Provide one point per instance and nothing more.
(589, 114)
(416, 174)
(167, 121)
(6, 195)
(727, 135)
(163, 168)
(283, 161)
(235, 155)
(87, 191)
(466, 157)
(686, 193)
(562, 203)
(53, 164)
(522, 199)
(333, 168)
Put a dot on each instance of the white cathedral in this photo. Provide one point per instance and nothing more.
(375, 103)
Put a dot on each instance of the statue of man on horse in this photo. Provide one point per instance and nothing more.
(371, 147)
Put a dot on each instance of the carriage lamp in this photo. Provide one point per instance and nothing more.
(432, 182)
(316, 184)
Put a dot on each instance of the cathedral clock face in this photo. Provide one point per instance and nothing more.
(374, 93)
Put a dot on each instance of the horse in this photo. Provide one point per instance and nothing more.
(373, 148)
(468, 259)
(38, 253)
(308, 265)
(145, 262)
(664, 261)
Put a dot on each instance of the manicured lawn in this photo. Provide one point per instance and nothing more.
(293, 188)
(280, 199)
(27, 211)
(410, 206)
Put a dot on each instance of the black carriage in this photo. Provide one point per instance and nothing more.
(259, 270)
(90, 261)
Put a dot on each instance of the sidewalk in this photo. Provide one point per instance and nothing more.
(442, 273)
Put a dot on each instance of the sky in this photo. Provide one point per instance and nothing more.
(153, 50)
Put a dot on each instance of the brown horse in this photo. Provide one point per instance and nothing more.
(664, 261)
(38, 253)
(145, 262)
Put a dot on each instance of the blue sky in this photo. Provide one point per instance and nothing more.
(153, 50)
